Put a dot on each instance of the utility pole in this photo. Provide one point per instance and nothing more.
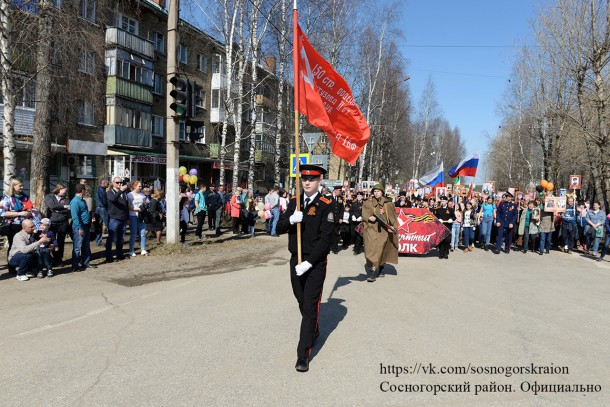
(171, 181)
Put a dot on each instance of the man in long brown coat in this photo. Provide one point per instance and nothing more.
(380, 241)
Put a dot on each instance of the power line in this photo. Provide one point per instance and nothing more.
(462, 46)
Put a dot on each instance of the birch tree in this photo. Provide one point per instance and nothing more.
(8, 129)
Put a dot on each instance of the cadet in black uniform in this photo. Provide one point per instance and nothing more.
(317, 227)
(446, 215)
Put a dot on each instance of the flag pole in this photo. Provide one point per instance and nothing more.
(295, 63)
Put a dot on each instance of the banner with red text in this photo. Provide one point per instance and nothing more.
(327, 101)
(419, 231)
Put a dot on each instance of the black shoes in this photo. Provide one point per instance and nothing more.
(599, 259)
(302, 365)
(371, 275)
(381, 272)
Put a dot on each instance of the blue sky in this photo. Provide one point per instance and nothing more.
(466, 47)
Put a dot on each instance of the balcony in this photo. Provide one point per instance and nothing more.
(116, 36)
(263, 157)
(119, 135)
(24, 120)
(217, 115)
(219, 81)
(129, 90)
(215, 151)
(265, 128)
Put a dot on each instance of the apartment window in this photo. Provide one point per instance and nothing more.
(159, 42)
(158, 86)
(183, 54)
(55, 54)
(201, 140)
(87, 62)
(86, 166)
(25, 92)
(202, 63)
(134, 71)
(182, 131)
(128, 24)
(84, 114)
(157, 128)
(56, 3)
(201, 98)
(217, 63)
(215, 98)
(87, 10)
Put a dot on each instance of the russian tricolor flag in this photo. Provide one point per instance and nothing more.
(466, 168)
(435, 178)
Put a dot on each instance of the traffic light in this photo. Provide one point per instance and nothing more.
(182, 97)
(196, 99)
(195, 130)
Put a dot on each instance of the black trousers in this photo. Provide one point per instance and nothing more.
(308, 291)
(183, 228)
(212, 219)
(443, 247)
(505, 235)
(336, 236)
(61, 230)
(356, 238)
(200, 221)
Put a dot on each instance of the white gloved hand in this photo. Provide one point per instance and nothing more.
(296, 217)
(354, 218)
(302, 268)
(359, 219)
(450, 220)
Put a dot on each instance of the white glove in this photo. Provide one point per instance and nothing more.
(296, 217)
(359, 219)
(303, 267)
(450, 220)
(354, 218)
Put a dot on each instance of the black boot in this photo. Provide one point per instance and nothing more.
(381, 271)
(371, 275)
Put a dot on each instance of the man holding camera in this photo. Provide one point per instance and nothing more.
(118, 213)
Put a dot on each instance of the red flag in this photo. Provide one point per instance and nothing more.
(327, 101)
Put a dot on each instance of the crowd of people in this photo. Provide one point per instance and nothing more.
(485, 222)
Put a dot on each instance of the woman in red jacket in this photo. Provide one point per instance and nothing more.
(236, 205)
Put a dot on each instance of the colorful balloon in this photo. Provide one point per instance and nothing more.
(186, 178)
(550, 186)
(182, 170)
(539, 188)
(267, 207)
(193, 171)
(261, 214)
(267, 214)
(193, 179)
(544, 183)
(180, 178)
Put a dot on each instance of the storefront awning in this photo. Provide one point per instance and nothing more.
(120, 151)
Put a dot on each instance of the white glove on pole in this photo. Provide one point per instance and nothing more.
(296, 217)
(302, 268)
(359, 219)
(354, 218)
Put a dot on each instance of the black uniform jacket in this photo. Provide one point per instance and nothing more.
(317, 228)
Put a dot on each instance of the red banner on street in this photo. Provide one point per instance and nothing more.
(419, 231)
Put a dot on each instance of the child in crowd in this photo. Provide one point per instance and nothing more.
(43, 252)
(185, 215)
